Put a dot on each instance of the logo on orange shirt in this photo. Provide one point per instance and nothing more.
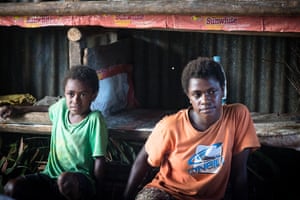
(207, 159)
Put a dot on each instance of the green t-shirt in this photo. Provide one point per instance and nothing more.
(74, 147)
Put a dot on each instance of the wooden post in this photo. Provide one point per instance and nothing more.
(74, 34)
(79, 40)
(75, 56)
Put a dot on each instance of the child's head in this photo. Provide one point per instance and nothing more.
(84, 74)
(202, 67)
(81, 88)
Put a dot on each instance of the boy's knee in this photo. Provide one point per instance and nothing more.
(63, 177)
(9, 188)
(75, 186)
(68, 185)
(13, 186)
(67, 179)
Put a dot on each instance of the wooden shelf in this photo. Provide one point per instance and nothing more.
(272, 129)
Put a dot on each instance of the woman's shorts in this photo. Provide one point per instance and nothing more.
(151, 193)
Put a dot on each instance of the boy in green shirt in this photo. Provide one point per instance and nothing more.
(76, 160)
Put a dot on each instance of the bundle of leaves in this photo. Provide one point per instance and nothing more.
(22, 155)
(26, 154)
(122, 152)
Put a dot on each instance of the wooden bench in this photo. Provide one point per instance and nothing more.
(277, 130)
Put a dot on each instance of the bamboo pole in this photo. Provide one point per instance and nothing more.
(167, 7)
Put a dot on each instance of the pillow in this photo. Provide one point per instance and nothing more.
(115, 89)
(113, 65)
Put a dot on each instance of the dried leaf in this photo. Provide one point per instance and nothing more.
(4, 165)
(35, 155)
(21, 147)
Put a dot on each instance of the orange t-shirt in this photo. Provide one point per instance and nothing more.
(195, 164)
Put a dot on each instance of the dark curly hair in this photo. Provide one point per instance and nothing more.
(84, 74)
(202, 67)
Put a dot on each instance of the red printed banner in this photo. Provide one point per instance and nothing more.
(173, 22)
(216, 23)
(282, 24)
(113, 21)
(122, 21)
(36, 21)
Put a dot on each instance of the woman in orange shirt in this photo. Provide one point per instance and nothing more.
(198, 149)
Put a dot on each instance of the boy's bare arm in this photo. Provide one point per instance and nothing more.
(99, 168)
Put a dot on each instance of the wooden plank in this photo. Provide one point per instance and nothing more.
(129, 135)
(29, 118)
(168, 7)
(40, 129)
(278, 130)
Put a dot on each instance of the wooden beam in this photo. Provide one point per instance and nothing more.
(273, 129)
(167, 7)
(37, 129)
(29, 118)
